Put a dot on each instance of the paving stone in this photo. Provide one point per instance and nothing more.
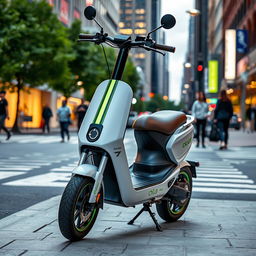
(151, 250)
(11, 252)
(63, 253)
(21, 235)
(189, 242)
(220, 252)
(36, 245)
(209, 234)
(4, 240)
(95, 248)
(242, 243)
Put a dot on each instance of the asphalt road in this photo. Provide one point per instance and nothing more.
(34, 168)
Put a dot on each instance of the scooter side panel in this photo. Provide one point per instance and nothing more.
(115, 114)
(180, 142)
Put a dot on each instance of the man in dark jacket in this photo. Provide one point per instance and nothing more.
(80, 112)
(47, 114)
(4, 113)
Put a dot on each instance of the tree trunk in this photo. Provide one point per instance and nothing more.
(15, 128)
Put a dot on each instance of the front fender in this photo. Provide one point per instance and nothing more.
(86, 170)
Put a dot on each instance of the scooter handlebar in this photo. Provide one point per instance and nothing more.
(86, 36)
(164, 47)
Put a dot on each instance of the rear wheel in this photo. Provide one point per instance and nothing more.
(76, 215)
(170, 210)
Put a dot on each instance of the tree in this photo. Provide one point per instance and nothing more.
(157, 103)
(34, 47)
(89, 67)
(131, 75)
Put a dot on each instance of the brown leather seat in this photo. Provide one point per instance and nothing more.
(165, 121)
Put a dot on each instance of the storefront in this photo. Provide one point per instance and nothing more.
(246, 80)
(31, 106)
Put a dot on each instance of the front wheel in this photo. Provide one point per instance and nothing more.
(171, 211)
(76, 215)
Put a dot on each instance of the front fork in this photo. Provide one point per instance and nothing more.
(98, 177)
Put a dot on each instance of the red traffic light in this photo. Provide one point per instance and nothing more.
(200, 68)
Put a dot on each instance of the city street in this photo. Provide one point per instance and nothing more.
(34, 168)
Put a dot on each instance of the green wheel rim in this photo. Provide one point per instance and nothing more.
(178, 210)
(83, 228)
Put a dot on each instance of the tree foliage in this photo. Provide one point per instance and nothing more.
(156, 103)
(34, 48)
(89, 66)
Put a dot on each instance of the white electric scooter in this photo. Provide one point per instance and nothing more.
(159, 174)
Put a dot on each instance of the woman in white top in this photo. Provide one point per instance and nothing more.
(200, 112)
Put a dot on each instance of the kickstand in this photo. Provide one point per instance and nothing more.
(146, 208)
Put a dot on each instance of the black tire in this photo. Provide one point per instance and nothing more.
(73, 204)
(168, 210)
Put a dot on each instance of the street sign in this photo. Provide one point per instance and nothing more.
(241, 40)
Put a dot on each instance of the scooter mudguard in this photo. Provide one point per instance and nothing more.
(86, 170)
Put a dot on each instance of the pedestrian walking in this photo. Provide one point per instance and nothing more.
(4, 113)
(222, 115)
(80, 113)
(250, 117)
(200, 112)
(63, 114)
(46, 114)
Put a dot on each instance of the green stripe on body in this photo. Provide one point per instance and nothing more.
(102, 110)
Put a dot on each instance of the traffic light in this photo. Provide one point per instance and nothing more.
(200, 70)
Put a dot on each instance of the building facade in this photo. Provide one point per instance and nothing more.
(242, 88)
(138, 17)
(135, 19)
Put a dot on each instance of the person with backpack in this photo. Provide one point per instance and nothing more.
(200, 112)
(222, 115)
(63, 114)
(47, 114)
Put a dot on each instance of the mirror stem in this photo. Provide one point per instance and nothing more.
(101, 28)
(154, 30)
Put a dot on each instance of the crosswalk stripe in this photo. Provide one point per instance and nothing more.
(4, 175)
(224, 176)
(218, 168)
(226, 180)
(215, 184)
(224, 190)
(16, 168)
(217, 172)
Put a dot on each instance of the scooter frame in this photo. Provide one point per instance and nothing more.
(111, 141)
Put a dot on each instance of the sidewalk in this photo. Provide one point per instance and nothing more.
(240, 139)
(209, 227)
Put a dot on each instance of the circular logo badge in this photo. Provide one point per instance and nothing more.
(94, 134)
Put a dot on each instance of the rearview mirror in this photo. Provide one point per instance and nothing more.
(90, 12)
(168, 21)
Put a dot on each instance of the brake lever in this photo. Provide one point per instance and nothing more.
(154, 50)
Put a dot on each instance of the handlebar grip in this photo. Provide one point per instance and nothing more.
(86, 36)
(164, 47)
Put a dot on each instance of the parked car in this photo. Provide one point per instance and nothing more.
(235, 122)
(132, 117)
